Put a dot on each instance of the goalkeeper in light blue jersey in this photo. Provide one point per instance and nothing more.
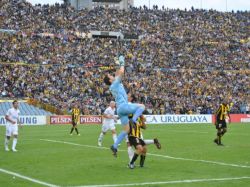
(123, 107)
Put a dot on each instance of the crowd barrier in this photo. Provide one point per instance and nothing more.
(28, 120)
(238, 118)
(64, 120)
(150, 119)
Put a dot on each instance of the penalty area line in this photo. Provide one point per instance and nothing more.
(167, 182)
(151, 154)
(27, 178)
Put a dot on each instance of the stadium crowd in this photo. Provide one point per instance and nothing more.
(185, 61)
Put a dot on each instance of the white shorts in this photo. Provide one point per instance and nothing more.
(106, 127)
(11, 129)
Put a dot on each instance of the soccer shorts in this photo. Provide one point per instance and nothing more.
(109, 126)
(11, 129)
(136, 141)
(74, 123)
(125, 109)
(221, 124)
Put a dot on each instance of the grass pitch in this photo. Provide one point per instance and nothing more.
(48, 155)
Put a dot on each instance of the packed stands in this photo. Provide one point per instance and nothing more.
(184, 62)
(25, 109)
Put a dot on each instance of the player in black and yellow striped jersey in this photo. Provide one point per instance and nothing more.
(75, 119)
(221, 117)
(135, 129)
(134, 138)
(141, 120)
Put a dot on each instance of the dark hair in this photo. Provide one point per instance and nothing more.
(130, 116)
(15, 101)
(133, 98)
(107, 80)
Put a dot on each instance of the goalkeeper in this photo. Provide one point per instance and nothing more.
(123, 107)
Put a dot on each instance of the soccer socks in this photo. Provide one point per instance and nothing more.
(223, 132)
(143, 157)
(120, 137)
(130, 152)
(219, 137)
(101, 137)
(71, 130)
(147, 142)
(14, 143)
(76, 130)
(6, 143)
(134, 158)
(137, 113)
(114, 137)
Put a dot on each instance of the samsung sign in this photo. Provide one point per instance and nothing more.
(171, 119)
(27, 120)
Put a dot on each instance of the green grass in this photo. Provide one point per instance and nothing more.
(74, 165)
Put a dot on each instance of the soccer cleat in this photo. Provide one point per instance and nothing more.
(114, 150)
(99, 143)
(157, 143)
(141, 164)
(70, 134)
(7, 149)
(131, 166)
(79, 134)
(216, 141)
(14, 150)
(220, 144)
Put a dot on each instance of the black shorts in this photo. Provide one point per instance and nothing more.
(221, 124)
(74, 123)
(136, 141)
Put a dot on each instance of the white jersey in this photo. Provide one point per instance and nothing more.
(108, 124)
(12, 129)
(109, 111)
(13, 115)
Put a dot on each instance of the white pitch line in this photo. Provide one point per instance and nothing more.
(157, 155)
(76, 144)
(27, 178)
(188, 131)
(166, 182)
(205, 161)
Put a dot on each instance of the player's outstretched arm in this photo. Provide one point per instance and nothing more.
(121, 70)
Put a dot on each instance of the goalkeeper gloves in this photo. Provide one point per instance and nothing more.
(122, 60)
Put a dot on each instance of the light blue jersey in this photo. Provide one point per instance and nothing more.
(118, 92)
(123, 107)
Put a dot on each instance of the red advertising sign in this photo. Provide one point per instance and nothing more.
(238, 118)
(91, 120)
(64, 120)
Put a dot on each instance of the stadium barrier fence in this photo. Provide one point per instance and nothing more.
(150, 119)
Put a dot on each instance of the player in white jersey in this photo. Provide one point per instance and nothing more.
(108, 123)
(12, 122)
